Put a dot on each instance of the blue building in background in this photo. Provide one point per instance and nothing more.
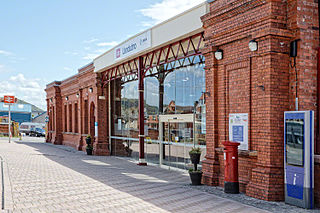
(19, 112)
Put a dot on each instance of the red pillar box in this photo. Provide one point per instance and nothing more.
(231, 182)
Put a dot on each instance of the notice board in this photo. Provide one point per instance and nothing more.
(238, 129)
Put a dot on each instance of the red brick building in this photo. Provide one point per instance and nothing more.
(74, 106)
(262, 83)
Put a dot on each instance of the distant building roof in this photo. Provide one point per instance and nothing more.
(33, 107)
(16, 108)
(40, 118)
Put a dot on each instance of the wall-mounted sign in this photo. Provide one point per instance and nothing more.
(238, 129)
(134, 45)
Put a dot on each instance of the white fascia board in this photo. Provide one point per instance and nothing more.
(173, 29)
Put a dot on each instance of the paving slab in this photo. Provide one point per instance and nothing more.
(41, 177)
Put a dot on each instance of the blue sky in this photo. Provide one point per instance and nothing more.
(42, 41)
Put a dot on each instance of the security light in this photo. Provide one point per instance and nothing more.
(218, 54)
(90, 89)
(67, 98)
(253, 45)
(77, 95)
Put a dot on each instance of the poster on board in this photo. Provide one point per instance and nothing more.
(238, 129)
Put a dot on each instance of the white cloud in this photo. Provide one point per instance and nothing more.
(4, 69)
(100, 51)
(90, 56)
(67, 68)
(5, 53)
(71, 53)
(12, 57)
(27, 89)
(107, 44)
(90, 40)
(166, 9)
(96, 52)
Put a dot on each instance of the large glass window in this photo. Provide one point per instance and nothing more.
(183, 89)
(172, 89)
(126, 109)
(184, 93)
(179, 91)
(151, 112)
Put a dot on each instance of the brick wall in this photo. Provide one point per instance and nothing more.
(259, 83)
(73, 118)
(54, 111)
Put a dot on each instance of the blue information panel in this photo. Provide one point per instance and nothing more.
(237, 132)
(299, 163)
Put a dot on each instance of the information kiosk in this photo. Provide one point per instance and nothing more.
(299, 158)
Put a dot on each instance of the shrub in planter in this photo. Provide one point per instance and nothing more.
(88, 139)
(195, 174)
(89, 149)
(195, 154)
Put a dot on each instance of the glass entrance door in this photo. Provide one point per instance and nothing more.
(176, 139)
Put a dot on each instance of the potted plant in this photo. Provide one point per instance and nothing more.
(195, 174)
(88, 139)
(195, 154)
(89, 148)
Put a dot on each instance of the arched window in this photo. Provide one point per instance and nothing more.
(86, 117)
(92, 120)
(65, 118)
(70, 117)
(76, 118)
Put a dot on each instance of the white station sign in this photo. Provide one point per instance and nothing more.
(133, 46)
(238, 129)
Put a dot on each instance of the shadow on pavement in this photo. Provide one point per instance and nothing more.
(120, 174)
(147, 183)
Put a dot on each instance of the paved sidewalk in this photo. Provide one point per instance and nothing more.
(43, 178)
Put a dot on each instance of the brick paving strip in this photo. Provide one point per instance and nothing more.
(40, 177)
